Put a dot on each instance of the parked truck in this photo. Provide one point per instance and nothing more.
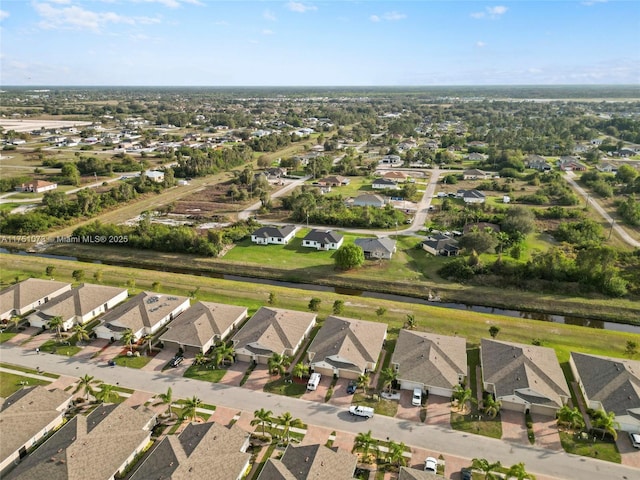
(360, 411)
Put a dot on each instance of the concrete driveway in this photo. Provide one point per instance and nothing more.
(259, 378)
(160, 360)
(24, 337)
(514, 429)
(320, 393)
(438, 411)
(545, 430)
(630, 456)
(316, 434)
(93, 348)
(235, 374)
(406, 411)
(340, 397)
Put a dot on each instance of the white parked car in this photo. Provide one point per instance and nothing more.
(416, 400)
(360, 411)
(431, 465)
(635, 439)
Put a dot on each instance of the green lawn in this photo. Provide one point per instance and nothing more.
(379, 404)
(4, 336)
(357, 186)
(599, 449)
(489, 427)
(59, 347)
(206, 373)
(28, 370)
(11, 383)
(132, 362)
(281, 387)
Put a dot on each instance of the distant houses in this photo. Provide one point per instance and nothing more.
(537, 162)
(569, 164)
(369, 200)
(471, 196)
(377, 248)
(36, 186)
(384, 184)
(476, 174)
(441, 244)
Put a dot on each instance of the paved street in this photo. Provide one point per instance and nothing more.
(440, 439)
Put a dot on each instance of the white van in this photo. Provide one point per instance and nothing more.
(416, 400)
(314, 381)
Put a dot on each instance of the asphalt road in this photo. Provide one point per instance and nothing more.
(446, 441)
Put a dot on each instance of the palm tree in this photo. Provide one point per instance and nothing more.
(486, 467)
(462, 395)
(363, 382)
(81, 333)
(86, 384)
(410, 323)
(519, 472)
(200, 359)
(149, 340)
(287, 421)
(107, 394)
(388, 375)
(300, 370)
(395, 453)
(127, 338)
(57, 323)
(278, 364)
(223, 353)
(607, 423)
(262, 417)
(167, 399)
(571, 417)
(364, 442)
(191, 406)
(492, 406)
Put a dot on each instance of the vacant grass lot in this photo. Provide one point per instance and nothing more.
(379, 404)
(11, 383)
(132, 362)
(599, 449)
(59, 347)
(205, 372)
(281, 386)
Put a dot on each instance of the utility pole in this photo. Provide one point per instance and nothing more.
(613, 222)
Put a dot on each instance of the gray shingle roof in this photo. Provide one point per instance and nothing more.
(28, 291)
(413, 474)
(27, 412)
(524, 371)
(323, 236)
(310, 462)
(274, 232)
(430, 359)
(206, 451)
(614, 382)
(348, 343)
(89, 448)
(384, 244)
(273, 330)
(202, 322)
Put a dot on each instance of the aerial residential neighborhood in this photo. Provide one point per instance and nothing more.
(319, 240)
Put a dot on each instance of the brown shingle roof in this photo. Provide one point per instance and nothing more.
(206, 451)
(348, 343)
(526, 371)
(202, 322)
(413, 474)
(27, 292)
(274, 330)
(89, 448)
(27, 412)
(431, 359)
(310, 462)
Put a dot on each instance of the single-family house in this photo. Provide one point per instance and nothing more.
(144, 314)
(369, 200)
(154, 176)
(333, 181)
(78, 306)
(569, 163)
(537, 163)
(477, 144)
(274, 235)
(434, 363)
(36, 186)
(624, 153)
(477, 174)
(397, 177)
(346, 348)
(596, 141)
(523, 377)
(384, 184)
(607, 167)
(202, 451)
(408, 473)
(311, 462)
(441, 244)
(471, 196)
(323, 240)
(272, 330)
(203, 325)
(380, 248)
(476, 157)
(390, 160)
(27, 416)
(610, 384)
(275, 173)
(94, 447)
(25, 296)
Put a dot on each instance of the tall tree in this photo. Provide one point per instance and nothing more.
(262, 417)
(365, 442)
(363, 382)
(462, 395)
(395, 453)
(278, 364)
(570, 417)
(492, 406)
(86, 384)
(349, 256)
(191, 406)
(606, 421)
(223, 353)
(518, 471)
(107, 393)
(300, 370)
(56, 322)
(80, 331)
(388, 375)
(486, 467)
(167, 399)
(288, 422)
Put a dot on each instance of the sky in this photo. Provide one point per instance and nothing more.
(318, 43)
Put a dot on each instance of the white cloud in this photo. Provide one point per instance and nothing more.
(388, 16)
(172, 3)
(77, 18)
(480, 44)
(300, 7)
(3, 14)
(269, 15)
(491, 13)
(266, 31)
(590, 3)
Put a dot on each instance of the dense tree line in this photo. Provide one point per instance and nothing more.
(193, 162)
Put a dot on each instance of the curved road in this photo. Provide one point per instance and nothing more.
(619, 230)
(540, 461)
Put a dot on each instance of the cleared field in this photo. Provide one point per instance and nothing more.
(23, 125)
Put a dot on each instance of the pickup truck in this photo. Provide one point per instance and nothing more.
(366, 412)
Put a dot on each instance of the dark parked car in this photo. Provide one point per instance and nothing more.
(176, 361)
(351, 388)
(465, 474)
